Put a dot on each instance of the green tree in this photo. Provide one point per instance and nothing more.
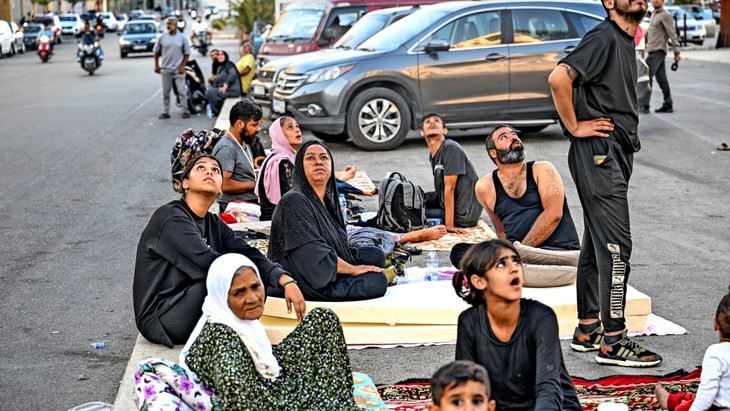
(252, 10)
(43, 3)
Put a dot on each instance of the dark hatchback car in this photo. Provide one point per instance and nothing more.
(138, 36)
(31, 33)
(475, 63)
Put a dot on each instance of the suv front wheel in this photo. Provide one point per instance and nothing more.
(378, 119)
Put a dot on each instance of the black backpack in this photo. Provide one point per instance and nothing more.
(187, 144)
(402, 205)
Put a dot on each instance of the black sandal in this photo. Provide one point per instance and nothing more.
(411, 249)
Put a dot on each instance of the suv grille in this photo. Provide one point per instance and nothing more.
(267, 76)
(288, 83)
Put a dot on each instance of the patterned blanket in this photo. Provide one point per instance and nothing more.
(635, 391)
(478, 233)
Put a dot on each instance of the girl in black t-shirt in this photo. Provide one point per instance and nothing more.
(512, 337)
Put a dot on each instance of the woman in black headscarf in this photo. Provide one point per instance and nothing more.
(227, 83)
(308, 236)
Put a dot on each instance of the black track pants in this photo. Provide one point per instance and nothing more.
(601, 172)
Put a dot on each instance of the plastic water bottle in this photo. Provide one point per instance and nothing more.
(432, 266)
(208, 111)
(343, 207)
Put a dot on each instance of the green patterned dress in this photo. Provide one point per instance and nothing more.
(315, 368)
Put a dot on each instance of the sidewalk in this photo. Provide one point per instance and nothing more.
(706, 52)
(229, 33)
(711, 55)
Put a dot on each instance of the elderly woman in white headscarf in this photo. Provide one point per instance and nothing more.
(233, 357)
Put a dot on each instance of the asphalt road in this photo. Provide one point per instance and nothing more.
(84, 163)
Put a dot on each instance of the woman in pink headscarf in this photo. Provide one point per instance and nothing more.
(276, 176)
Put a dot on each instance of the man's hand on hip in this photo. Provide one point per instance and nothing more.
(593, 128)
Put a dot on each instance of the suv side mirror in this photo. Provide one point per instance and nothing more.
(327, 36)
(437, 45)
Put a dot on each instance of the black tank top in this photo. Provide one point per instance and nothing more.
(517, 215)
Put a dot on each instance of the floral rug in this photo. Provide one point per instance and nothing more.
(637, 391)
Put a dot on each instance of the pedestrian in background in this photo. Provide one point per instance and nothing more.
(594, 89)
(246, 67)
(171, 54)
(214, 66)
(661, 30)
(226, 84)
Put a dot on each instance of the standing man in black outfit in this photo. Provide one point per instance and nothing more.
(594, 89)
(454, 178)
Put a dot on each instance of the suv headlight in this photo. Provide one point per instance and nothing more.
(124, 42)
(328, 73)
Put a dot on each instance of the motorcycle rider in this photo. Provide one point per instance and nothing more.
(45, 31)
(100, 23)
(86, 36)
(199, 26)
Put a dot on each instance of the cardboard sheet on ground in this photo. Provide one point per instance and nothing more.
(478, 233)
(427, 313)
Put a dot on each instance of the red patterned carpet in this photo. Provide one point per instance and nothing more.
(637, 391)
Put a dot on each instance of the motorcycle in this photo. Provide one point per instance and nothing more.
(44, 48)
(90, 56)
(195, 83)
(200, 43)
(100, 28)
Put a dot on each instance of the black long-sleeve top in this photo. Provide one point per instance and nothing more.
(527, 372)
(174, 253)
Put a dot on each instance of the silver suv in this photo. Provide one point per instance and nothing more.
(474, 63)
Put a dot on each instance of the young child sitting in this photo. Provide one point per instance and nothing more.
(714, 389)
(461, 385)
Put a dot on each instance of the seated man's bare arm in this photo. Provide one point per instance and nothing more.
(552, 195)
(449, 201)
(231, 186)
(486, 196)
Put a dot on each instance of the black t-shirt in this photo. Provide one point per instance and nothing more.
(517, 215)
(174, 253)
(286, 182)
(450, 160)
(527, 372)
(605, 59)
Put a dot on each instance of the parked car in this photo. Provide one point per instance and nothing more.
(149, 18)
(18, 37)
(122, 19)
(260, 31)
(71, 24)
(139, 36)
(30, 33)
(263, 87)
(110, 21)
(136, 13)
(475, 63)
(209, 11)
(704, 16)
(53, 22)
(7, 42)
(695, 30)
